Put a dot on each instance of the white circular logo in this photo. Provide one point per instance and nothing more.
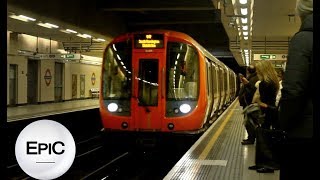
(45, 149)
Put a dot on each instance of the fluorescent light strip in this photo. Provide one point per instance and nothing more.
(28, 18)
(87, 35)
(243, 1)
(68, 31)
(244, 11)
(71, 31)
(47, 25)
(52, 25)
(62, 30)
(44, 25)
(22, 18)
(99, 40)
(244, 28)
(244, 20)
(84, 35)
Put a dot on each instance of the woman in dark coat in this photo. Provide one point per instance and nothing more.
(265, 96)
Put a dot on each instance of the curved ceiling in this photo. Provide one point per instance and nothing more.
(201, 19)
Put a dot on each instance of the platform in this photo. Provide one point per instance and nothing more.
(219, 155)
(39, 110)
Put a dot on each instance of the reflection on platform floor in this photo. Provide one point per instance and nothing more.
(38, 110)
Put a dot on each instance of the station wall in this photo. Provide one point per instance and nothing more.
(87, 75)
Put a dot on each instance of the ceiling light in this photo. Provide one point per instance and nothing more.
(245, 33)
(99, 40)
(244, 11)
(47, 25)
(87, 35)
(244, 28)
(71, 31)
(84, 35)
(245, 37)
(243, 1)
(22, 18)
(247, 61)
(244, 20)
(52, 25)
(68, 31)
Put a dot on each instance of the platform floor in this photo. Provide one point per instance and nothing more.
(219, 154)
(39, 110)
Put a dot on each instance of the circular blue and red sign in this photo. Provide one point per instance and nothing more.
(47, 77)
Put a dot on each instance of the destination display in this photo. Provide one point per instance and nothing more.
(146, 41)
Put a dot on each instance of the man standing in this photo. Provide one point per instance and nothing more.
(245, 97)
(296, 103)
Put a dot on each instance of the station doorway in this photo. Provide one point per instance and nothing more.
(82, 85)
(74, 86)
(58, 82)
(13, 84)
(32, 78)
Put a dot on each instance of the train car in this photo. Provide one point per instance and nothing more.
(162, 81)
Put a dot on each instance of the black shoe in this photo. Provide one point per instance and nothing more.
(265, 170)
(255, 167)
(247, 142)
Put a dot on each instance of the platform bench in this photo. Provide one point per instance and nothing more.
(94, 92)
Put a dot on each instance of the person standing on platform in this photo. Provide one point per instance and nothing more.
(265, 97)
(296, 104)
(245, 97)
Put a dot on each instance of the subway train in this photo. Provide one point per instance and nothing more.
(162, 81)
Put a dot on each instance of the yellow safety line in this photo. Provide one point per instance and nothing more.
(207, 149)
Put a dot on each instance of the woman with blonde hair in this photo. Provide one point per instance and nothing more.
(268, 75)
(265, 96)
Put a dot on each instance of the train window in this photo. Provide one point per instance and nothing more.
(182, 72)
(116, 82)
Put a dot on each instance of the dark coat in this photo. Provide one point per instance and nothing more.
(247, 91)
(296, 106)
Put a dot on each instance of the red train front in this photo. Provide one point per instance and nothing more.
(154, 81)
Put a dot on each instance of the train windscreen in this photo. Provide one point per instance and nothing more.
(116, 82)
(182, 72)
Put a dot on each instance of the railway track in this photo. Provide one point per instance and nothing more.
(96, 159)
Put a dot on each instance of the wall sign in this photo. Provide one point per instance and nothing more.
(93, 78)
(47, 77)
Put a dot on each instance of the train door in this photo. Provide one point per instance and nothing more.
(215, 89)
(32, 78)
(209, 89)
(147, 92)
(222, 92)
(13, 82)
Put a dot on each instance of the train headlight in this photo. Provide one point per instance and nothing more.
(185, 108)
(112, 107)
